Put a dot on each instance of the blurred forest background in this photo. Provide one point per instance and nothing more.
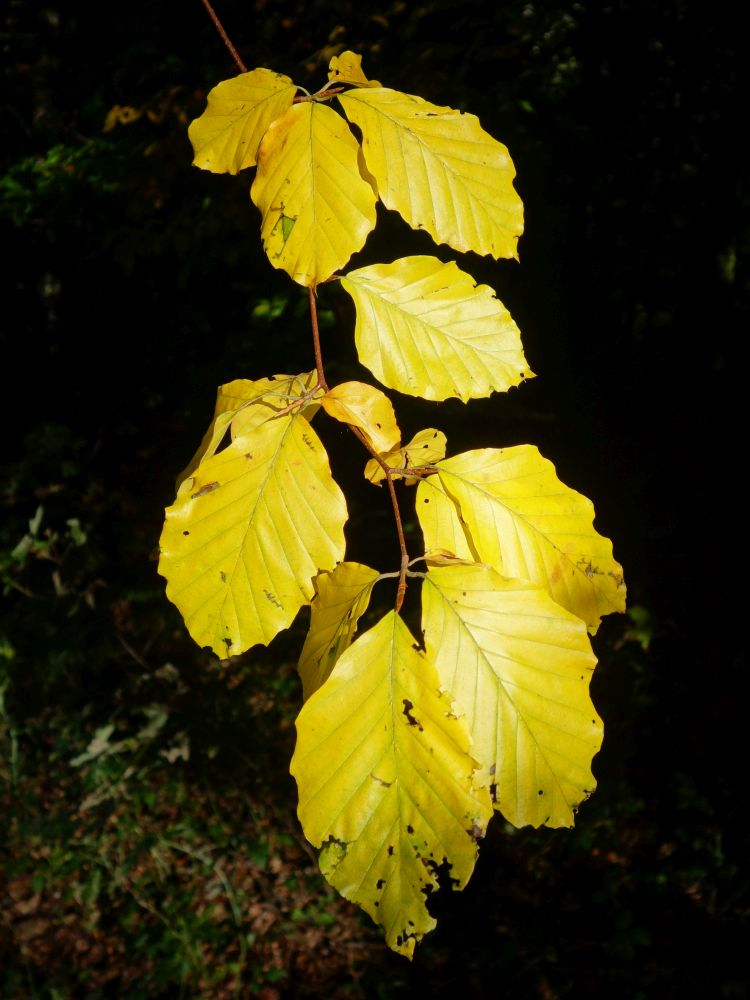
(149, 845)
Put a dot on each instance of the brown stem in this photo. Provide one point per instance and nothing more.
(401, 589)
(225, 37)
(316, 342)
(320, 95)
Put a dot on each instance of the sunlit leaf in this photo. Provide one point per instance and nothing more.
(366, 407)
(244, 404)
(276, 394)
(229, 399)
(317, 208)
(341, 598)
(442, 557)
(426, 329)
(365, 172)
(386, 782)
(425, 447)
(226, 136)
(441, 522)
(519, 667)
(347, 68)
(524, 522)
(240, 551)
(439, 169)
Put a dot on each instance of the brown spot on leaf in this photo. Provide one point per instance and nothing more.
(208, 488)
(408, 708)
(272, 599)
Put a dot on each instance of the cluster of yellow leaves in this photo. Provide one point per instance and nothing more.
(316, 187)
(515, 574)
(404, 748)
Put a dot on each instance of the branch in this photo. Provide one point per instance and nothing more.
(225, 37)
(316, 341)
(401, 589)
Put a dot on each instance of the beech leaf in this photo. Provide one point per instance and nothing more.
(519, 667)
(316, 207)
(256, 401)
(227, 135)
(385, 782)
(439, 169)
(518, 517)
(367, 408)
(275, 395)
(347, 68)
(341, 598)
(440, 520)
(425, 328)
(241, 549)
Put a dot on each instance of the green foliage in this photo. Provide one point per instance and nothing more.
(139, 871)
(36, 181)
(403, 748)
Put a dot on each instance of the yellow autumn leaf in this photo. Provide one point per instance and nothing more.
(276, 394)
(385, 782)
(425, 328)
(441, 522)
(229, 399)
(341, 598)
(316, 207)
(262, 399)
(240, 550)
(347, 68)
(227, 135)
(520, 519)
(367, 408)
(443, 557)
(425, 447)
(519, 668)
(439, 169)
(365, 172)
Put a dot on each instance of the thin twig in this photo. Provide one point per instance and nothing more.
(132, 652)
(401, 589)
(323, 94)
(225, 37)
(316, 341)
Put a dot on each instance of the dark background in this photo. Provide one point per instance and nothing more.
(164, 858)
